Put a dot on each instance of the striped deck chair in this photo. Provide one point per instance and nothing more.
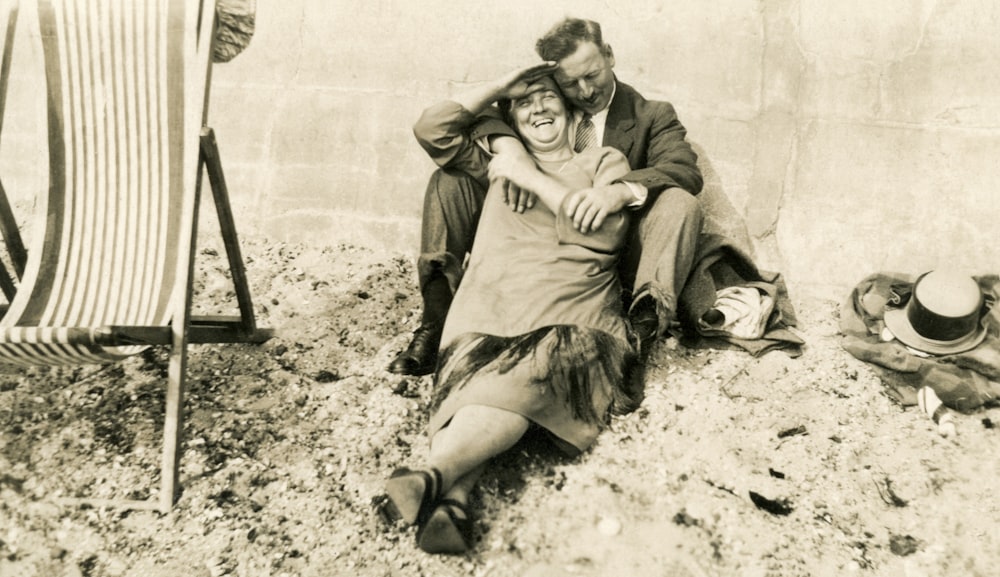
(110, 272)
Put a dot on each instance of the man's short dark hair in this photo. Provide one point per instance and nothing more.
(563, 38)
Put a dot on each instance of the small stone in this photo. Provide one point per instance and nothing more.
(903, 545)
(609, 526)
(327, 376)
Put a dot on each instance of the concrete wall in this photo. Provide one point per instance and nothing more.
(848, 137)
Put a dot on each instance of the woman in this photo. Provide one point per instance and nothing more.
(535, 333)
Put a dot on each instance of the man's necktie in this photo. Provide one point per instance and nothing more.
(586, 136)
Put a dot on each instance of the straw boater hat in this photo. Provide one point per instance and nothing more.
(943, 315)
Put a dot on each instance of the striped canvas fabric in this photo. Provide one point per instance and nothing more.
(123, 166)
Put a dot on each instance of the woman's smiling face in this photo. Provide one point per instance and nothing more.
(541, 118)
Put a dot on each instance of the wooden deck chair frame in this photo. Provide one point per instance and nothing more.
(31, 345)
(8, 223)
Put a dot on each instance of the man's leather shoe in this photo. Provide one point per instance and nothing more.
(642, 334)
(420, 358)
(645, 325)
(633, 388)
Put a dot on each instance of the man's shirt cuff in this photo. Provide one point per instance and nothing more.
(640, 192)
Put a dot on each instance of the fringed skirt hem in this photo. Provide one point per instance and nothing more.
(564, 378)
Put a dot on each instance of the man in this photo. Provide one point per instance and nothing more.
(660, 188)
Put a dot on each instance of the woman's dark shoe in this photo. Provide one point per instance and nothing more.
(448, 529)
(420, 357)
(412, 494)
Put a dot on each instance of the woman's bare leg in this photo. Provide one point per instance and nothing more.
(463, 487)
(459, 451)
(476, 434)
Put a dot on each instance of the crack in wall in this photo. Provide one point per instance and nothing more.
(777, 130)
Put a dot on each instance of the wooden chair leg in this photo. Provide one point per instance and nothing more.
(173, 422)
(15, 247)
(173, 425)
(12, 235)
(7, 283)
(220, 192)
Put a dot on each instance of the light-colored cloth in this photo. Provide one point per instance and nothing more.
(744, 310)
(237, 19)
(529, 273)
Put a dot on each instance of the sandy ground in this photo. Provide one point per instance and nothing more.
(288, 444)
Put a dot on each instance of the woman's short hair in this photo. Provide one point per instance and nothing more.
(562, 39)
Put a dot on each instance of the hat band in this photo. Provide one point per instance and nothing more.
(939, 328)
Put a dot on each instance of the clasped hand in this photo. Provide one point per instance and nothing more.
(590, 207)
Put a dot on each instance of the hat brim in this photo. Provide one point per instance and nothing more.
(901, 328)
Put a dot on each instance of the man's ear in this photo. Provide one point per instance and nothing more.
(609, 55)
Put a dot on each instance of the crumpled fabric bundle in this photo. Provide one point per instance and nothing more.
(720, 264)
(236, 27)
(963, 381)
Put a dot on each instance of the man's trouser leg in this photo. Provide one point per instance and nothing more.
(655, 265)
(452, 205)
(659, 258)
